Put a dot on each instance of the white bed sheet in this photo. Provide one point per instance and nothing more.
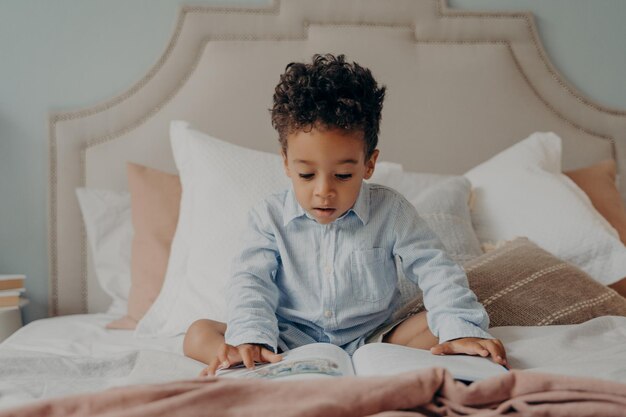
(596, 348)
(76, 354)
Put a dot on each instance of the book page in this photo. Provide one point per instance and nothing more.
(389, 359)
(317, 360)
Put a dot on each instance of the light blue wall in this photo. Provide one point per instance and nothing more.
(584, 38)
(61, 54)
(65, 54)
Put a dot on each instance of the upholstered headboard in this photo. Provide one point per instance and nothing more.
(462, 86)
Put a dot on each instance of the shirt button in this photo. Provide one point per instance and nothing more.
(328, 269)
(328, 314)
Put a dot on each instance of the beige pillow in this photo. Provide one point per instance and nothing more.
(521, 284)
(155, 200)
(599, 183)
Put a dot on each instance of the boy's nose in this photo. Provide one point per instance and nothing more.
(323, 189)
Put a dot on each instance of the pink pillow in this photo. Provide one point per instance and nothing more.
(599, 183)
(155, 200)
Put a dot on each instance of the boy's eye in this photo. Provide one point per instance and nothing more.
(306, 176)
(343, 176)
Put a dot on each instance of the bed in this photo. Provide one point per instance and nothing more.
(462, 87)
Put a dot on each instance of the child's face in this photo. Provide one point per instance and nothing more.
(327, 168)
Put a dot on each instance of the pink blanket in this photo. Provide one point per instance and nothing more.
(427, 393)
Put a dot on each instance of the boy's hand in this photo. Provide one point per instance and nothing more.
(247, 353)
(473, 346)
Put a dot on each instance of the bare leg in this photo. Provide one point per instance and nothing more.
(203, 338)
(413, 332)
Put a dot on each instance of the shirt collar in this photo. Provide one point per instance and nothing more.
(361, 208)
(362, 205)
(292, 208)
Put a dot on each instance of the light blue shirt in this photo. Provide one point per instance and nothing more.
(296, 281)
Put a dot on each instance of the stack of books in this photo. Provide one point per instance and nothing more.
(12, 290)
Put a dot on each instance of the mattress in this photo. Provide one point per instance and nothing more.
(76, 354)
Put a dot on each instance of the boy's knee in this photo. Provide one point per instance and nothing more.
(191, 336)
(205, 325)
(199, 333)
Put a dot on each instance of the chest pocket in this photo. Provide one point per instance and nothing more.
(369, 274)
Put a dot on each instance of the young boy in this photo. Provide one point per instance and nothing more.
(317, 262)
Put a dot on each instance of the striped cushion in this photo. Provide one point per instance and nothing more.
(521, 284)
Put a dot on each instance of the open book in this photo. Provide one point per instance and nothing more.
(327, 360)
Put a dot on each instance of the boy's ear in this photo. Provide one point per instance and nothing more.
(370, 164)
(285, 162)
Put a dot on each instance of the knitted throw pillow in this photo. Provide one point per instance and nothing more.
(521, 284)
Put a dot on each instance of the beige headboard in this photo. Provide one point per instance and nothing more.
(461, 87)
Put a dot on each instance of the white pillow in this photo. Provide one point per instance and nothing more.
(522, 192)
(220, 184)
(109, 230)
(409, 184)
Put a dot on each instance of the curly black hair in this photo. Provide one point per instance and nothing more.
(328, 93)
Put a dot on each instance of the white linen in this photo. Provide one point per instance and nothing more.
(109, 232)
(410, 184)
(76, 354)
(596, 348)
(522, 192)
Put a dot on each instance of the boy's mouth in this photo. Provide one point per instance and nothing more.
(324, 211)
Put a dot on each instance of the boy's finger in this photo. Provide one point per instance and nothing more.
(457, 347)
(494, 352)
(233, 355)
(502, 354)
(472, 348)
(212, 368)
(445, 348)
(498, 349)
(248, 360)
(502, 350)
(479, 349)
(468, 348)
(222, 357)
(269, 356)
(499, 343)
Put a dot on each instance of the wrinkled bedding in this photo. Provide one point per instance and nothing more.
(432, 392)
(76, 354)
